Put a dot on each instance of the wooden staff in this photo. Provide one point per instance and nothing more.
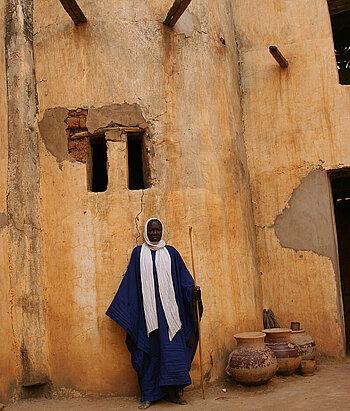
(198, 319)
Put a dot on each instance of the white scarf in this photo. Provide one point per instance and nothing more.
(165, 283)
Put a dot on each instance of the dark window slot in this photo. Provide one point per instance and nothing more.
(99, 175)
(341, 37)
(135, 162)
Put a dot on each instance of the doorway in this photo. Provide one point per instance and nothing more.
(340, 181)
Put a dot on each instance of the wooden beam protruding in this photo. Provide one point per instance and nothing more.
(278, 56)
(74, 11)
(176, 12)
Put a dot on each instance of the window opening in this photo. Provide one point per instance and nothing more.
(136, 161)
(341, 199)
(98, 164)
(340, 20)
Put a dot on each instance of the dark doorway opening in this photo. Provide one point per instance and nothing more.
(340, 20)
(98, 165)
(341, 198)
(136, 162)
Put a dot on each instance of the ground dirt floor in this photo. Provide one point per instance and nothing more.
(328, 389)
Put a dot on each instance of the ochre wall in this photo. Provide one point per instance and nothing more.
(296, 128)
(253, 186)
(185, 82)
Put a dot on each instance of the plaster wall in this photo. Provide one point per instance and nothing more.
(185, 83)
(296, 128)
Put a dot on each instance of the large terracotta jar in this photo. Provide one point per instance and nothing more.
(251, 363)
(288, 353)
(306, 344)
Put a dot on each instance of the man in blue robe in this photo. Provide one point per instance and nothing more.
(155, 304)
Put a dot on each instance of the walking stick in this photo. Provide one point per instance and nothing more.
(198, 319)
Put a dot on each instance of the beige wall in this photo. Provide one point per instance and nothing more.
(296, 121)
(187, 87)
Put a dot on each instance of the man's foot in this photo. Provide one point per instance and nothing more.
(144, 405)
(173, 396)
(175, 400)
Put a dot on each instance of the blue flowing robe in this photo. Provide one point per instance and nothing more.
(158, 361)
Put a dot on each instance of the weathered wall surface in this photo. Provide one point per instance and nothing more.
(185, 83)
(8, 373)
(296, 122)
(28, 304)
(22, 359)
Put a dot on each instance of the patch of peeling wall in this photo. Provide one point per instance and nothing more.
(306, 223)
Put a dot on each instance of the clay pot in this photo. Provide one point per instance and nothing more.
(307, 367)
(295, 325)
(306, 343)
(251, 363)
(288, 353)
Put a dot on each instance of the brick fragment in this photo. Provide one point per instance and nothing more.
(72, 122)
(82, 121)
(71, 145)
(78, 135)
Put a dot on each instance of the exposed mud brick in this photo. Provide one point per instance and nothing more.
(81, 111)
(73, 122)
(82, 121)
(71, 145)
(77, 134)
(78, 149)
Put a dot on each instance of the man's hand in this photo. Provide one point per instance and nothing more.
(197, 293)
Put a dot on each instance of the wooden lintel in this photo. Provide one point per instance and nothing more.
(74, 11)
(278, 56)
(131, 129)
(176, 12)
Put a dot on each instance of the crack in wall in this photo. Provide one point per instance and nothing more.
(137, 219)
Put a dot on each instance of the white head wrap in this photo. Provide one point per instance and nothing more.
(165, 283)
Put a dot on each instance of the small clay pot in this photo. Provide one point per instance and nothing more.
(251, 363)
(288, 354)
(307, 367)
(306, 343)
(295, 325)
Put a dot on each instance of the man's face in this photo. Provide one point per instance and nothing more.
(154, 231)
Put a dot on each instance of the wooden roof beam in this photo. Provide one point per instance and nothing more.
(176, 12)
(74, 11)
(278, 56)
